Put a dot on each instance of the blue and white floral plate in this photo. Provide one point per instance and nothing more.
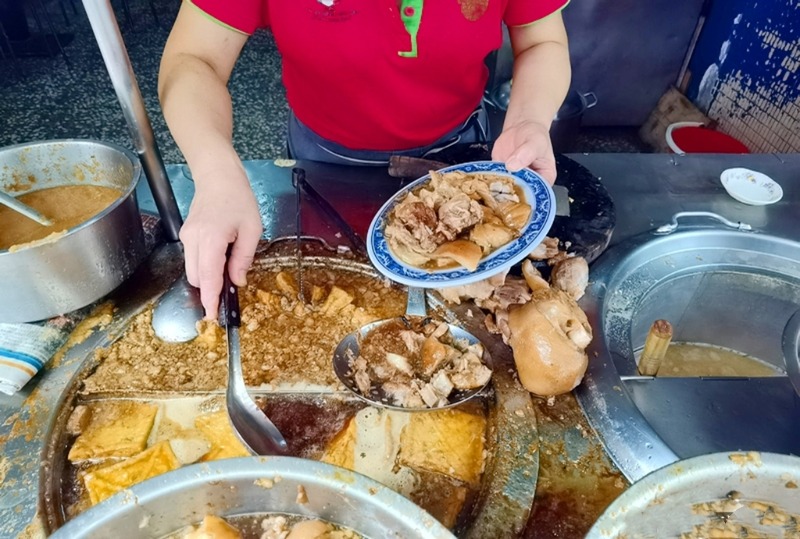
(538, 194)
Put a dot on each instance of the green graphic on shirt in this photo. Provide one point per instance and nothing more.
(411, 15)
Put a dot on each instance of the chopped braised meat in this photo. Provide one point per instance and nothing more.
(418, 366)
(456, 219)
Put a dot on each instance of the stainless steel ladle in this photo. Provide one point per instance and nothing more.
(177, 312)
(24, 209)
(250, 423)
(349, 348)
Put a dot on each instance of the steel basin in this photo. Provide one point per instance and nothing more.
(54, 277)
(669, 502)
(242, 486)
(733, 289)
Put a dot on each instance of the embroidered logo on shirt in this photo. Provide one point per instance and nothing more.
(411, 15)
(331, 12)
(472, 9)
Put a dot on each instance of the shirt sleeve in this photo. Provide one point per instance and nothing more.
(522, 12)
(245, 16)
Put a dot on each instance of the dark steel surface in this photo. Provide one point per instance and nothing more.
(648, 189)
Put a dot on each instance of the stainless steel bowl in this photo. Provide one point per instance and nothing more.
(91, 259)
(754, 491)
(243, 486)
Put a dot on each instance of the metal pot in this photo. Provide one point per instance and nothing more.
(567, 123)
(730, 289)
(54, 277)
(253, 485)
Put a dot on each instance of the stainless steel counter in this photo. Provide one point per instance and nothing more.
(646, 188)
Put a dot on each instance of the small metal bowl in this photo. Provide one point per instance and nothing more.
(255, 485)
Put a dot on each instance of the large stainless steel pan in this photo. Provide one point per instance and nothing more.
(90, 260)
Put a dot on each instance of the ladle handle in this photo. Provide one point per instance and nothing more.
(229, 299)
(24, 209)
(416, 302)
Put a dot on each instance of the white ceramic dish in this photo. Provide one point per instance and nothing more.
(751, 187)
(538, 194)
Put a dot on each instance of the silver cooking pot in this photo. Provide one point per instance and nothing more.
(255, 485)
(49, 278)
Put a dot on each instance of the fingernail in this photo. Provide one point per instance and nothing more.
(514, 164)
(241, 278)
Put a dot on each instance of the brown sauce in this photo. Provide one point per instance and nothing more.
(690, 359)
(67, 206)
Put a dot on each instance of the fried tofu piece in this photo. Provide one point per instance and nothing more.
(213, 527)
(317, 294)
(449, 442)
(79, 420)
(105, 481)
(121, 432)
(268, 299)
(286, 283)
(189, 450)
(337, 300)
(218, 431)
(341, 450)
(209, 333)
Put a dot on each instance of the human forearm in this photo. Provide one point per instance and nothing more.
(198, 111)
(541, 80)
(195, 68)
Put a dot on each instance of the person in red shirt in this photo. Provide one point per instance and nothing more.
(365, 80)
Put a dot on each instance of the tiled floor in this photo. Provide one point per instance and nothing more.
(44, 98)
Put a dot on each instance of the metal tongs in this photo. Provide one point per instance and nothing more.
(250, 423)
(304, 188)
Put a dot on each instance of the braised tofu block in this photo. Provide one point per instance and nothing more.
(119, 431)
(218, 431)
(340, 451)
(448, 442)
(105, 481)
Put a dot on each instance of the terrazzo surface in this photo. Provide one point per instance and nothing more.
(53, 98)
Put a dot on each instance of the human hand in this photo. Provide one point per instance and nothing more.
(221, 213)
(526, 144)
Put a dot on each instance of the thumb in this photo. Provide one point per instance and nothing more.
(242, 254)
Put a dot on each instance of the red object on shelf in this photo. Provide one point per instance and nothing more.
(699, 139)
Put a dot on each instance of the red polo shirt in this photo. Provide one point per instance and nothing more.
(344, 74)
